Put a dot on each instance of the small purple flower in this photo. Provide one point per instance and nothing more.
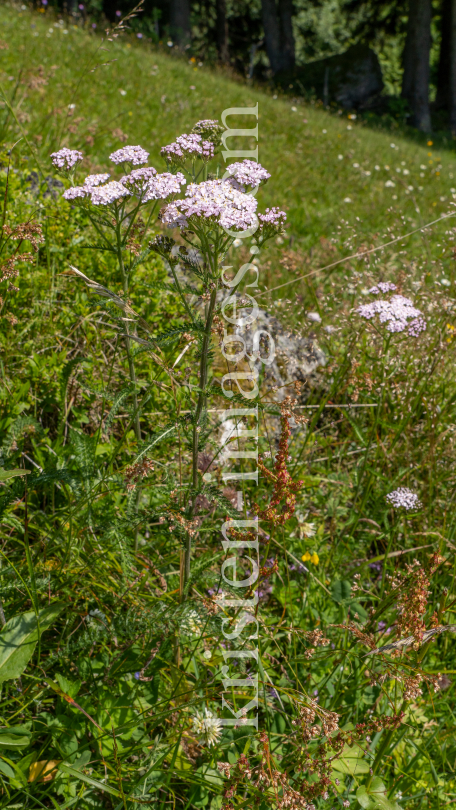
(94, 25)
(381, 626)
(44, 2)
(81, 7)
(118, 13)
(140, 36)
(137, 675)
(375, 566)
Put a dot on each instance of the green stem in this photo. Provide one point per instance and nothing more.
(203, 375)
(131, 363)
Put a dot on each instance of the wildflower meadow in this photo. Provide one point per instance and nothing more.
(227, 438)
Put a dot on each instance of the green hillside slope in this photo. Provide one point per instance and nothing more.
(330, 167)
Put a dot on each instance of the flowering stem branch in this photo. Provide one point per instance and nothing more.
(131, 363)
(203, 373)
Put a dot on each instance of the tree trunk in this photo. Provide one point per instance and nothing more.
(179, 13)
(452, 92)
(221, 32)
(415, 82)
(271, 33)
(288, 43)
(278, 34)
(442, 100)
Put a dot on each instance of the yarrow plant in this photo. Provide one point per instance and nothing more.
(398, 313)
(403, 498)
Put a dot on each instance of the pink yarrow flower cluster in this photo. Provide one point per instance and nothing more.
(272, 221)
(382, 286)
(135, 155)
(399, 313)
(186, 146)
(95, 180)
(111, 192)
(247, 173)
(152, 186)
(66, 158)
(403, 497)
(214, 200)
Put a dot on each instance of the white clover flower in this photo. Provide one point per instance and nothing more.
(207, 726)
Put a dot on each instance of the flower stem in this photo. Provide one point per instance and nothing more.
(203, 374)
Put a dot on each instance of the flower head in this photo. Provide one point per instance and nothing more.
(382, 286)
(95, 180)
(76, 192)
(105, 195)
(397, 312)
(135, 155)
(247, 173)
(163, 186)
(272, 222)
(207, 726)
(66, 158)
(209, 129)
(188, 146)
(215, 201)
(403, 497)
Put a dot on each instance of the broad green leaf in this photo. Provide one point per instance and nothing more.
(70, 688)
(14, 737)
(64, 768)
(18, 639)
(352, 766)
(375, 797)
(5, 475)
(341, 590)
(351, 761)
(6, 770)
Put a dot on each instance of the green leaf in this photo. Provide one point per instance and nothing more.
(5, 475)
(19, 637)
(6, 770)
(341, 590)
(14, 737)
(64, 768)
(351, 761)
(70, 688)
(375, 796)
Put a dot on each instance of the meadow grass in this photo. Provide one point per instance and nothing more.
(381, 413)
